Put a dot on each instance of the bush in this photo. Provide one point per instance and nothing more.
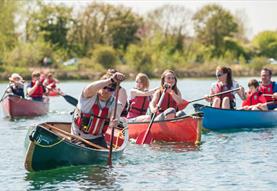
(87, 64)
(105, 56)
(28, 54)
(257, 63)
(139, 59)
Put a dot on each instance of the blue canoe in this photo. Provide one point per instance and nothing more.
(225, 119)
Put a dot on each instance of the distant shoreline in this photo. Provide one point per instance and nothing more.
(188, 73)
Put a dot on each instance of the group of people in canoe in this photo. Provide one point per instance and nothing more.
(97, 102)
(39, 86)
(260, 95)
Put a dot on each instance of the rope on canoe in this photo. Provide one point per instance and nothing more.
(48, 146)
(120, 133)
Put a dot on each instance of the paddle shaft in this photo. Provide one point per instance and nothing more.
(268, 95)
(4, 93)
(114, 117)
(218, 94)
(74, 136)
(152, 119)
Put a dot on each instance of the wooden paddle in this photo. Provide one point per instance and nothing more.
(213, 95)
(145, 137)
(114, 117)
(73, 136)
(4, 93)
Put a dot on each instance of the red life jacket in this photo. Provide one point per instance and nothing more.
(53, 86)
(254, 98)
(167, 102)
(138, 106)
(96, 122)
(221, 88)
(268, 89)
(38, 91)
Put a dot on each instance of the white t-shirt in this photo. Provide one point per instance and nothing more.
(85, 105)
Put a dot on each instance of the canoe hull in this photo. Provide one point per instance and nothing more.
(224, 119)
(186, 129)
(14, 106)
(48, 150)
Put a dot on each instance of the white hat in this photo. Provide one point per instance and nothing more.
(15, 77)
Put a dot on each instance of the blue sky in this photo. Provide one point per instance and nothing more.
(258, 15)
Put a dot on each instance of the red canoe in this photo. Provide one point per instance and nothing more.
(184, 129)
(15, 106)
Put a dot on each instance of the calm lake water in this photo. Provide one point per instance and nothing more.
(245, 160)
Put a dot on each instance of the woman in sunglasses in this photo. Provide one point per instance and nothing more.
(95, 108)
(122, 95)
(225, 82)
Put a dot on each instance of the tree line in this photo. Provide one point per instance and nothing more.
(105, 36)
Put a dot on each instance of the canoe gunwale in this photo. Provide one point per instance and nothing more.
(196, 114)
(80, 146)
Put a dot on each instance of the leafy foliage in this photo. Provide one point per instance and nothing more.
(266, 44)
(212, 23)
(50, 22)
(105, 56)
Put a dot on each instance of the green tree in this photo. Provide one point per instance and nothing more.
(51, 23)
(122, 28)
(266, 44)
(172, 22)
(8, 36)
(102, 23)
(212, 23)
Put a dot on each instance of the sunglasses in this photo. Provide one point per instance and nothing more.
(170, 78)
(219, 74)
(110, 89)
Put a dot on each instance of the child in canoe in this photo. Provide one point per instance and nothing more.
(254, 98)
(140, 97)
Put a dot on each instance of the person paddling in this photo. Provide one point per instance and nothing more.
(35, 89)
(122, 95)
(255, 99)
(267, 86)
(95, 107)
(140, 97)
(51, 83)
(16, 85)
(172, 100)
(225, 82)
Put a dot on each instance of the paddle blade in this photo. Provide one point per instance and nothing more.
(198, 107)
(73, 101)
(144, 138)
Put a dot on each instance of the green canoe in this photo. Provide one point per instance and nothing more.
(50, 145)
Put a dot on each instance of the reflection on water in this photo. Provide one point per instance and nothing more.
(232, 160)
(79, 177)
(174, 147)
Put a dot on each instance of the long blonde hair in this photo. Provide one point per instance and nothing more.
(144, 80)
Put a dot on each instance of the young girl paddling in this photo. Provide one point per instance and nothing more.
(172, 101)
